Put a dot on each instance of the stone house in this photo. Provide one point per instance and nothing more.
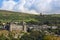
(41, 27)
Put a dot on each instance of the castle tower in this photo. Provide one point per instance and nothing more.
(24, 26)
(11, 25)
(41, 14)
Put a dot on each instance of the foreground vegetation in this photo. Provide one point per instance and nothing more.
(33, 35)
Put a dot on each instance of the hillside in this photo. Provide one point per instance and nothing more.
(56, 15)
(15, 16)
(8, 16)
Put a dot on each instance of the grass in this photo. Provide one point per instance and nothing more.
(7, 16)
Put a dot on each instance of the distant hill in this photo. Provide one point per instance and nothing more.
(15, 16)
(55, 15)
(8, 16)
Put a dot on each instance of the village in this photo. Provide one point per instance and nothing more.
(23, 26)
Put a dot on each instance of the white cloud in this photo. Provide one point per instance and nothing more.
(8, 5)
(32, 12)
(43, 5)
(24, 5)
(29, 3)
(20, 6)
(38, 5)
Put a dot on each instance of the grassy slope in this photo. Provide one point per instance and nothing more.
(56, 15)
(15, 16)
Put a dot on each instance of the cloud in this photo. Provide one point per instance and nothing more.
(56, 6)
(32, 6)
(29, 3)
(42, 5)
(24, 5)
(20, 6)
(8, 4)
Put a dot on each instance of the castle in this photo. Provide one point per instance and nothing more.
(14, 26)
(25, 27)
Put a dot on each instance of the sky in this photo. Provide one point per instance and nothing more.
(31, 6)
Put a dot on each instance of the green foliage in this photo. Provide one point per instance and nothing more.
(51, 37)
(34, 35)
(2, 37)
(15, 16)
(7, 16)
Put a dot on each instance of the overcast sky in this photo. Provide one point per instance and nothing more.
(31, 6)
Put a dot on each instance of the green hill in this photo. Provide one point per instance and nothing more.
(8, 16)
(15, 16)
(56, 15)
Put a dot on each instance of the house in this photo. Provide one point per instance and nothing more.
(54, 27)
(41, 27)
